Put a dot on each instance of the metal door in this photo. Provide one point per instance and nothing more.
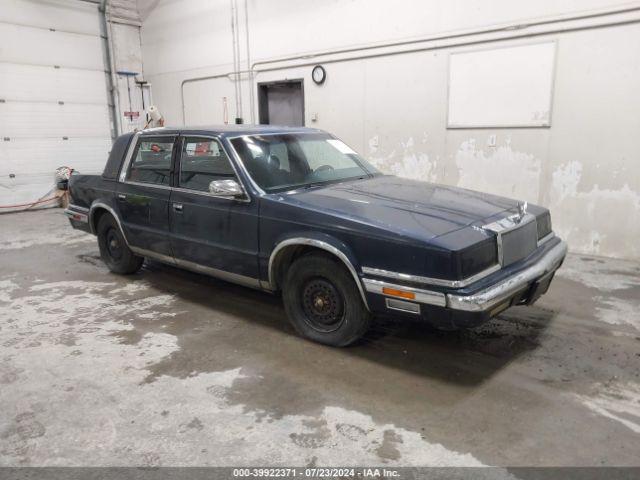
(282, 103)
(213, 234)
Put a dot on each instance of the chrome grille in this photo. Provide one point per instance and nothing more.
(519, 242)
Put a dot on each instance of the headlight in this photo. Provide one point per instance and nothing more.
(478, 257)
(544, 224)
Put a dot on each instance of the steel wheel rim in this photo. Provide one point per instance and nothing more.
(113, 245)
(322, 305)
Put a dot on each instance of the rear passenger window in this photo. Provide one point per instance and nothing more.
(152, 162)
(203, 160)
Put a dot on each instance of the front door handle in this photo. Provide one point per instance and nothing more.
(122, 196)
(177, 207)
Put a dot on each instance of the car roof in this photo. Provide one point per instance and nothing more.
(229, 130)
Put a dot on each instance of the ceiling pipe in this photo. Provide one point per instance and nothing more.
(236, 60)
(251, 93)
(114, 98)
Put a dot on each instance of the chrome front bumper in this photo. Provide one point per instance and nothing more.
(484, 300)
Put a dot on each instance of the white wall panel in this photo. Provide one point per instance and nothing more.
(502, 87)
(35, 36)
(41, 156)
(71, 15)
(28, 120)
(33, 162)
(204, 101)
(47, 84)
(34, 46)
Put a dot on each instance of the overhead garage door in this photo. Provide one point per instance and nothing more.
(53, 96)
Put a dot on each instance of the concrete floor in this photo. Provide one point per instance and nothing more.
(172, 368)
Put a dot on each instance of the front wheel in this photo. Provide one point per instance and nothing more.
(114, 250)
(323, 302)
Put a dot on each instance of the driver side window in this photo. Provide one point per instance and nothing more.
(152, 161)
(202, 161)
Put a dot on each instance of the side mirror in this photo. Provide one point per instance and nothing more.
(226, 188)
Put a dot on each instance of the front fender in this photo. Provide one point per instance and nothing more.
(318, 240)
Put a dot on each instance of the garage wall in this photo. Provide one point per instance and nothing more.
(53, 95)
(387, 90)
(54, 98)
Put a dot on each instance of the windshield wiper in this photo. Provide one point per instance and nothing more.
(337, 180)
(307, 186)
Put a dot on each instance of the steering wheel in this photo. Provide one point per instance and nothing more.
(322, 168)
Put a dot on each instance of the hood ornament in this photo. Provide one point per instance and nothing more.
(522, 210)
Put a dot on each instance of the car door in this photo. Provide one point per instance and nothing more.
(209, 232)
(143, 194)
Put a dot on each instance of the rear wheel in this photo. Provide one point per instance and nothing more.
(323, 302)
(114, 250)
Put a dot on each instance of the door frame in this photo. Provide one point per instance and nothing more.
(263, 100)
(153, 191)
(202, 199)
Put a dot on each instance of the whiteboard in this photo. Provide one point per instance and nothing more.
(502, 87)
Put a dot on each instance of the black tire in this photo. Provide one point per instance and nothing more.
(114, 250)
(323, 302)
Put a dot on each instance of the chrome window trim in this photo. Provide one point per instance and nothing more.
(305, 132)
(127, 159)
(127, 163)
(245, 199)
(319, 244)
(439, 282)
(421, 296)
(132, 147)
(143, 184)
(129, 156)
(242, 166)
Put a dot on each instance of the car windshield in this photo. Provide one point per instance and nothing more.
(294, 160)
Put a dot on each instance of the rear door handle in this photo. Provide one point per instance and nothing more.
(122, 196)
(177, 207)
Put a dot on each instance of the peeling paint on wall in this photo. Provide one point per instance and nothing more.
(408, 161)
(600, 211)
(502, 171)
(566, 179)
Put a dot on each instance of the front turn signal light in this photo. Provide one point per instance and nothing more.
(398, 293)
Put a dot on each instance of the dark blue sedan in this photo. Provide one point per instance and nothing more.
(296, 211)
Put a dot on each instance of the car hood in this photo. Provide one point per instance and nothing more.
(407, 207)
